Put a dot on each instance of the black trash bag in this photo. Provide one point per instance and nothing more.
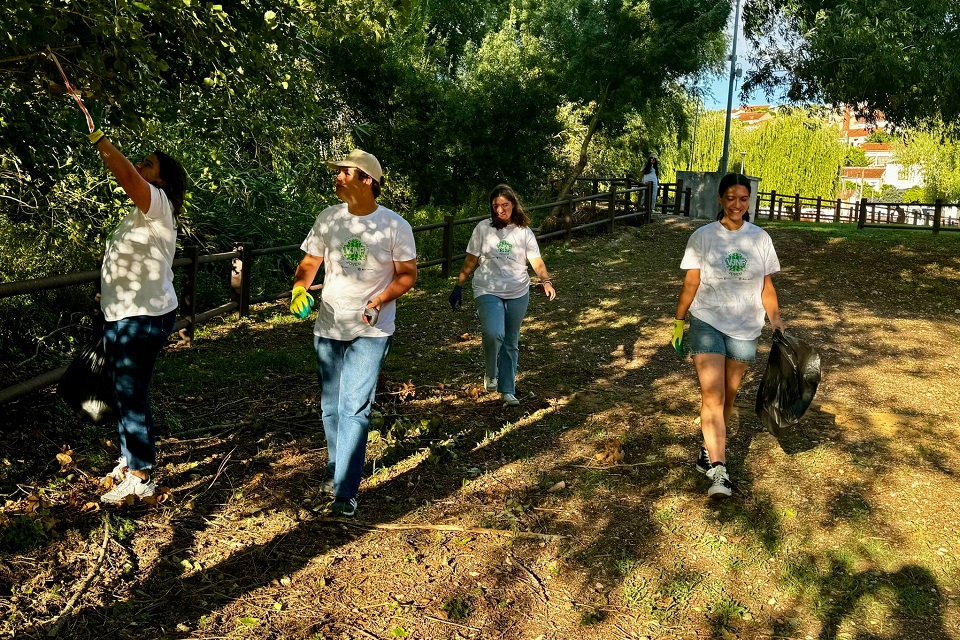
(86, 386)
(788, 383)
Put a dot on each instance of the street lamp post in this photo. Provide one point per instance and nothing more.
(743, 157)
(733, 75)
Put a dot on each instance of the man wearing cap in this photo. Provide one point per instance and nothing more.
(370, 260)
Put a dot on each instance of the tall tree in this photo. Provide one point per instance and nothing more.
(888, 56)
(611, 58)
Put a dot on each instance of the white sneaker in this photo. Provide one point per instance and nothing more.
(119, 472)
(132, 485)
(721, 487)
(509, 400)
(490, 384)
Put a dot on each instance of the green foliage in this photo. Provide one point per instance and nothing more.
(457, 608)
(855, 157)
(888, 56)
(22, 533)
(796, 152)
(939, 156)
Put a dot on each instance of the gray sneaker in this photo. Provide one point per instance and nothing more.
(509, 400)
(490, 384)
(131, 485)
(721, 486)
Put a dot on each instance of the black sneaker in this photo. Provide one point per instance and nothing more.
(343, 508)
(703, 460)
(721, 486)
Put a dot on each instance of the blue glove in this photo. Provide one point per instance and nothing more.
(456, 298)
(301, 302)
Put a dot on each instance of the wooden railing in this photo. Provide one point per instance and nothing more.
(617, 204)
(865, 213)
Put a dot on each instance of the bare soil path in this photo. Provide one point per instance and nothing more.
(577, 514)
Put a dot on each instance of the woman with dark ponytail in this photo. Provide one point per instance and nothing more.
(138, 302)
(727, 290)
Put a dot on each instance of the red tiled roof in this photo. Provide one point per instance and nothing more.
(876, 146)
(744, 117)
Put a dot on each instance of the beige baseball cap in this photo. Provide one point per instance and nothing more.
(366, 162)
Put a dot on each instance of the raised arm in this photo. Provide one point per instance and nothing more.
(126, 173)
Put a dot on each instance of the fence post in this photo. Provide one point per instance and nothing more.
(862, 214)
(780, 209)
(937, 213)
(678, 190)
(796, 207)
(568, 219)
(773, 202)
(447, 246)
(648, 199)
(626, 196)
(836, 212)
(688, 196)
(241, 292)
(612, 207)
(593, 201)
(188, 308)
(819, 203)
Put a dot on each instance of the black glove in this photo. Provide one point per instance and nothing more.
(456, 298)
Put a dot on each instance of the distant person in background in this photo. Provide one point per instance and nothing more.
(498, 251)
(651, 174)
(139, 303)
(370, 260)
(727, 290)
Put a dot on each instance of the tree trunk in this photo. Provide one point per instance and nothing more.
(582, 161)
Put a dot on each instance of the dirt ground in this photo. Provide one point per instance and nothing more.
(577, 514)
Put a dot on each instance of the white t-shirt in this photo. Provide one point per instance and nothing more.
(732, 267)
(358, 255)
(137, 274)
(503, 254)
(650, 177)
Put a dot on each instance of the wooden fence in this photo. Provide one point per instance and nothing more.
(889, 215)
(623, 200)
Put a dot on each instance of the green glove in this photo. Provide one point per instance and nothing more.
(677, 339)
(301, 303)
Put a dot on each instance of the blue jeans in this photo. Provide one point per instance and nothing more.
(131, 346)
(348, 371)
(500, 323)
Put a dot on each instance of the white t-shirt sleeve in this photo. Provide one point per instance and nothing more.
(693, 254)
(475, 245)
(532, 248)
(404, 245)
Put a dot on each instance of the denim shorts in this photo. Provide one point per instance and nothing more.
(703, 338)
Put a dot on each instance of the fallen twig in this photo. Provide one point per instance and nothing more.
(61, 618)
(446, 527)
(617, 466)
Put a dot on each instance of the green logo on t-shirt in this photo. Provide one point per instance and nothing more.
(504, 247)
(736, 263)
(354, 252)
